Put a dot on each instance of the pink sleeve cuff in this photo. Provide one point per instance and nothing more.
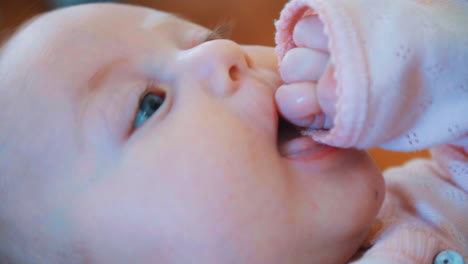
(351, 107)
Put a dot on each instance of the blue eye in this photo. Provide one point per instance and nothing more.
(147, 107)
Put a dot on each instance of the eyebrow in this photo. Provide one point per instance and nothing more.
(96, 80)
(98, 77)
(93, 84)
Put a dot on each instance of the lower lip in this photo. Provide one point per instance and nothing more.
(304, 149)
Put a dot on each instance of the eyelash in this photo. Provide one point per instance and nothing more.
(151, 88)
(222, 30)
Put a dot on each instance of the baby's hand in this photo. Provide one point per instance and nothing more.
(308, 97)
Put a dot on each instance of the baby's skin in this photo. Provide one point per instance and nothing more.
(199, 178)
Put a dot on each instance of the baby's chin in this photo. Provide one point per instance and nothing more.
(349, 190)
(368, 199)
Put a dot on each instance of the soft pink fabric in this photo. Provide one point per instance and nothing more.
(402, 83)
(409, 57)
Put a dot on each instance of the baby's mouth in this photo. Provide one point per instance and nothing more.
(286, 131)
(292, 144)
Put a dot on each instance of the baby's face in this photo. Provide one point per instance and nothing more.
(200, 179)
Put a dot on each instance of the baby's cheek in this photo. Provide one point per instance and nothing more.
(359, 188)
(105, 223)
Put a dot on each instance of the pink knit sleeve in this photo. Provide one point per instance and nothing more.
(401, 68)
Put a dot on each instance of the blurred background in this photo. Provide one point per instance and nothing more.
(253, 24)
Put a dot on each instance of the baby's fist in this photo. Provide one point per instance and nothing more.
(308, 97)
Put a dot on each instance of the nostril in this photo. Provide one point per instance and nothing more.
(234, 73)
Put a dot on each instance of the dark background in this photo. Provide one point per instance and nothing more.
(253, 21)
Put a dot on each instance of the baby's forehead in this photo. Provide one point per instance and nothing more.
(99, 17)
(59, 34)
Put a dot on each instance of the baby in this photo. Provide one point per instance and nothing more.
(130, 135)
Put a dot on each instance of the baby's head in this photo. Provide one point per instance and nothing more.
(130, 135)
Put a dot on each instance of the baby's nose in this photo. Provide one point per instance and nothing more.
(220, 63)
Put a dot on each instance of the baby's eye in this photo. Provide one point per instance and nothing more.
(147, 107)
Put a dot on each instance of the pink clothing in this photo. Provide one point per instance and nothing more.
(401, 68)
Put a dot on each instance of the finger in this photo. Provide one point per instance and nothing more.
(302, 64)
(326, 91)
(308, 33)
(298, 103)
(321, 121)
